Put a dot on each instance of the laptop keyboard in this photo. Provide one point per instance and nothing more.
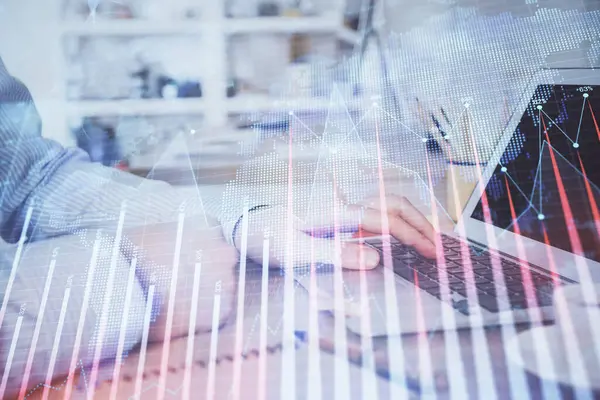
(521, 292)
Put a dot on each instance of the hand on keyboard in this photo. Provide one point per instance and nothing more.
(398, 217)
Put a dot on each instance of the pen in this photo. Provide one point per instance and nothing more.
(355, 357)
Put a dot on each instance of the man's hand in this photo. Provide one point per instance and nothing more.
(396, 216)
(293, 242)
(202, 248)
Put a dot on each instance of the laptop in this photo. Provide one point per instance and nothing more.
(532, 224)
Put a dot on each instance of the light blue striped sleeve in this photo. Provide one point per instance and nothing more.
(56, 191)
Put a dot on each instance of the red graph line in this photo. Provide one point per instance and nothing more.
(594, 119)
(525, 271)
(568, 214)
(590, 194)
(550, 255)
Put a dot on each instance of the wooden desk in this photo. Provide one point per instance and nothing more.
(328, 375)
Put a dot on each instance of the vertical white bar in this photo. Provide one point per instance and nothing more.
(11, 354)
(342, 367)
(124, 322)
(288, 342)
(214, 338)
(53, 355)
(144, 343)
(82, 317)
(162, 380)
(37, 329)
(106, 303)
(395, 351)
(369, 377)
(264, 319)
(315, 388)
(15, 265)
(189, 357)
(241, 298)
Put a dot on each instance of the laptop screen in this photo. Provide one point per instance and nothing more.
(547, 184)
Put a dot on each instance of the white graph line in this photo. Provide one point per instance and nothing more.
(171, 307)
(187, 378)
(124, 328)
(54, 354)
(104, 317)
(144, 343)
(11, 353)
(83, 315)
(580, 119)
(214, 338)
(15, 264)
(264, 309)
(241, 297)
(37, 329)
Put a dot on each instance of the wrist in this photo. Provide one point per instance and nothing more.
(236, 232)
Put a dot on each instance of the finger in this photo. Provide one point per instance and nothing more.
(400, 229)
(401, 206)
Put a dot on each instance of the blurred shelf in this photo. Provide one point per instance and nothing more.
(132, 27)
(92, 108)
(282, 24)
(248, 103)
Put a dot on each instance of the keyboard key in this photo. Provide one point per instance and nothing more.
(544, 299)
(485, 273)
(433, 274)
(487, 287)
(488, 302)
(428, 284)
(459, 287)
(453, 279)
(480, 279)
(515, 287)
(512, 272)
(402, 255)
(405, 272)
(453, 268)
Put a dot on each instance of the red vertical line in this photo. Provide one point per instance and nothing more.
(590, 194)
(458, 388)
(594, 119)
(564, 200)
(525, 272)
(499, 280)
(550, 256)
(425, 368)
(562, 313)
(588, 290)
(342, 372)
(517, 381)
(395, 351)
(464, 248)
(535, 314)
